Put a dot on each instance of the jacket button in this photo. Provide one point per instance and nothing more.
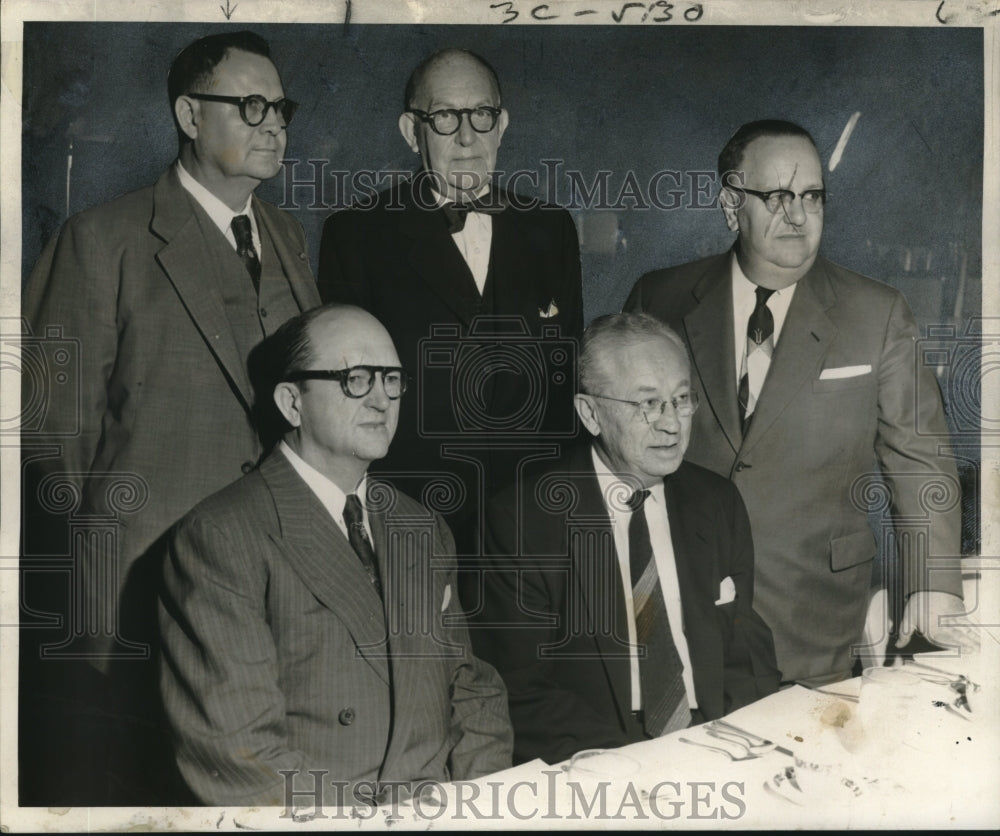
(346, 717)
(246, 467)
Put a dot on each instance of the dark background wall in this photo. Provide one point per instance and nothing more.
(905, 201)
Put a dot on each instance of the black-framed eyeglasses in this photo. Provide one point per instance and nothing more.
(357, 381)
(812, 199)
(651, 409)
(253, 109)
(448, 120)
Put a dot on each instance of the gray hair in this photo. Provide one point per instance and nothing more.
(612, 331)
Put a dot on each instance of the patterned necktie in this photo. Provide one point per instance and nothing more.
(760, 347)
(245, 249)
(456, 213)
(664, 700)
(358, 538)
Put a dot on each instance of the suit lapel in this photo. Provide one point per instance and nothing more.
(514, 279)
(805, 338)
(434, 256)
(294, 262)
(177, 220)
(591, 512)
(709, 329)
(698, 580)
(320, 554)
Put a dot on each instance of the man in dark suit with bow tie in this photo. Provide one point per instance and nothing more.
(309, 614)
(480, 289)
(160, 296)
(811, 383)
(618, 587)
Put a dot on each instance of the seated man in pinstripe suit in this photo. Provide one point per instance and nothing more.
(308, 614)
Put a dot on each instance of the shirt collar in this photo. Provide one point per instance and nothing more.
(746, 289)
(221, 215)
(332, 497)
(615, 490)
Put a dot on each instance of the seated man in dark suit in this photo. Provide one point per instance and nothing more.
(308, 614)
(480, 289)
(618, 601)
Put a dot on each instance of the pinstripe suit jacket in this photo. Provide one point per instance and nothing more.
(277, 654)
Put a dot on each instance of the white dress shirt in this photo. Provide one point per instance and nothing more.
(331, 496)
(221, 215)
(614, 492)
(744, 301)
(474, 241)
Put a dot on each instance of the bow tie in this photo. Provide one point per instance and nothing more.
(456, 213)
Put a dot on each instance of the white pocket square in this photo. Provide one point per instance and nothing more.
(727, 591)
(446, 598)
(551, 311)
(844, 371)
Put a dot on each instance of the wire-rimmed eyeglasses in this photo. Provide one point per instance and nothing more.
(448, 120)
(357, 381)
(253, 109)
(651, 409)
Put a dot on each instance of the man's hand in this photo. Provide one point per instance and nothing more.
(924, 612)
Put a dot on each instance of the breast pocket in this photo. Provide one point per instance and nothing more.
(841, 384)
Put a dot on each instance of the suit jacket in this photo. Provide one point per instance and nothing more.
(806, 465)
(278, 653)
(399, 261)
(160, 415)
(551, 611)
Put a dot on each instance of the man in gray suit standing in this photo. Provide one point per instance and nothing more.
(162, 293)
(310, 617)
(808, 377)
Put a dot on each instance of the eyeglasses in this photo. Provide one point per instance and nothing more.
(448, 121)
(812, 199)
(357, 381)
(253, 109)
(652, 408)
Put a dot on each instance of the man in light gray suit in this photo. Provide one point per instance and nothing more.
(809, 383)
(160, 294)
(309, 615)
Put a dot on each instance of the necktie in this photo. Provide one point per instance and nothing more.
(760, 347)
(245, 249)
(664, 700)
(358, 538)
(456, 213)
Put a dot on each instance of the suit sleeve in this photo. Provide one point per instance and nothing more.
(70, 302)
(480, 720)
(923, 483)
(750, 667)
(550, 722)
(219, 670)
(341, 274)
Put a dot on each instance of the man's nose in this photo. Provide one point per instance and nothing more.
(272, 122)
(377, 398)
(466, 133)
(668, 420)
(795, 214)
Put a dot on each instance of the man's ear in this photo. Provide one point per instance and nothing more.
(730, 200)
(287, 397)
(587, 411)
(188, 115)
(502, 120)
(408, 128)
